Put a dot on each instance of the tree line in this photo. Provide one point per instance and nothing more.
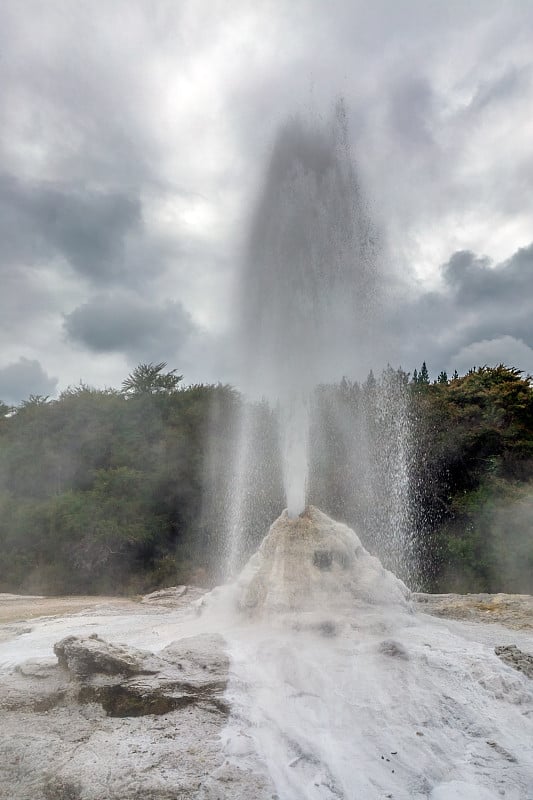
(473, 479)
(105, 490)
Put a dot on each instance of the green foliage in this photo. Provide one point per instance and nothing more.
(150, 379)
(5, 409)
(423, 375)
(101, 490)
(35, 400)
(474, 448)
(112, 490)
(421, 379)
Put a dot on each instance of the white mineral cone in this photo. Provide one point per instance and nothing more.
(313, 563)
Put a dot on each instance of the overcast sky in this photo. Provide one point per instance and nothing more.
(133, 138)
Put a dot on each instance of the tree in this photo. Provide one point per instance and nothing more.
(443, 377)
(423, 375)
(475, 444)
(150, 379)
(110, 490)
(370, 385)
(35, 401)
(5, 409)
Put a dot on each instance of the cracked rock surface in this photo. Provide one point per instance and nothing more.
(112, 722)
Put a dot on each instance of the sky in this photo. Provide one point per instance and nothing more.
(134, 135)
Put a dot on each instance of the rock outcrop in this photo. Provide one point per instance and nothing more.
(85, 656)
(110, 722)
(516, 658)
(129, 683)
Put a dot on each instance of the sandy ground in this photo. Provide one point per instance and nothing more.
(17, 608)
(510, 610)
(513, 611)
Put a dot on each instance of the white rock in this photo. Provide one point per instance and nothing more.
(313, 563)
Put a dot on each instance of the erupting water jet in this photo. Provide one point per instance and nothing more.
(308, 300)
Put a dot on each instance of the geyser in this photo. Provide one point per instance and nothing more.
(307, 283)
(310, 310)
(306, 298)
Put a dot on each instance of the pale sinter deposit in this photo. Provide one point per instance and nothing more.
(326, 685)
(313, 563)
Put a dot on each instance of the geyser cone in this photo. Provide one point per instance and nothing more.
(312, 563)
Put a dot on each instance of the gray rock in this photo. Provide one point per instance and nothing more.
(88, 655)
(389, 647)
(201, 660)
(110, 722)
(516, 658)
(174, 596)
(34, 686)
(128, 682)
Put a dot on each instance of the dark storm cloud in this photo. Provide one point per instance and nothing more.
(128, 324)
(24, 297)
(482, 313)
(82, 163)
(23, 378)
(496, 300)
(39, 221)
(79, 148)
(475, 281)
(116, 117)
